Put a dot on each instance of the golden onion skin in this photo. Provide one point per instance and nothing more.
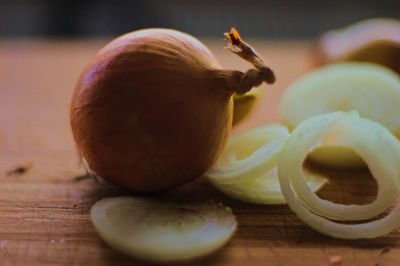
(153, 110)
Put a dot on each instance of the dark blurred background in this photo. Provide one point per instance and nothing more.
(264, 19)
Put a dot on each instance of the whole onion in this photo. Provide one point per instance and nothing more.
(153, 109)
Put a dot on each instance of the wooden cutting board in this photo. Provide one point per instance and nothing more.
(44, 212)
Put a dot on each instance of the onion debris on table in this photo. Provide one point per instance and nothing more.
(153, 110)
(149, 229)
(371, 141)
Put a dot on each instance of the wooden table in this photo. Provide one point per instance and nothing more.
(44, 212)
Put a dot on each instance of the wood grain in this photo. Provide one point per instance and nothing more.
(44, 213)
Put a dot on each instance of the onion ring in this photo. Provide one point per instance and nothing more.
(266, 189)
(374, 143)
(249, 155)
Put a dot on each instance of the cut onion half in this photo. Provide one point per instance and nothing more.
(266, 189)
(152, 230)
(372, 142)
(249, 155)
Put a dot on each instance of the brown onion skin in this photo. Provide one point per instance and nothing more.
(153, 110)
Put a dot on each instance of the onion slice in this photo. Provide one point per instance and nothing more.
(370, 140)
(266, 189)
(249, 155)
(148, 229)
(373, 90)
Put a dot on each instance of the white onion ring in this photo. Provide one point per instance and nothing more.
(239, 162)
(372, 142)
(266, 189)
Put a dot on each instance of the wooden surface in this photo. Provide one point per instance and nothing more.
(44, 213)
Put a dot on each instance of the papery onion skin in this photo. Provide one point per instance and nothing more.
(153, 110)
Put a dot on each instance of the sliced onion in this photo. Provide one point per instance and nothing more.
(371, 89)
(266, 189)
(152, 230)
(374, 143)
(249, 155)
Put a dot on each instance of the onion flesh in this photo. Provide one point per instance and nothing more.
(374, 143)
(373, 40)
(148, 229)
(249, 155)
(247, 168)
(372, 90)
(243, 105)
(266, 189)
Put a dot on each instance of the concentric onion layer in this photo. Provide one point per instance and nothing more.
(247, 169)
(266, 189)
(152, 230)
(249, 155)
(372, 142)
(370, 89)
